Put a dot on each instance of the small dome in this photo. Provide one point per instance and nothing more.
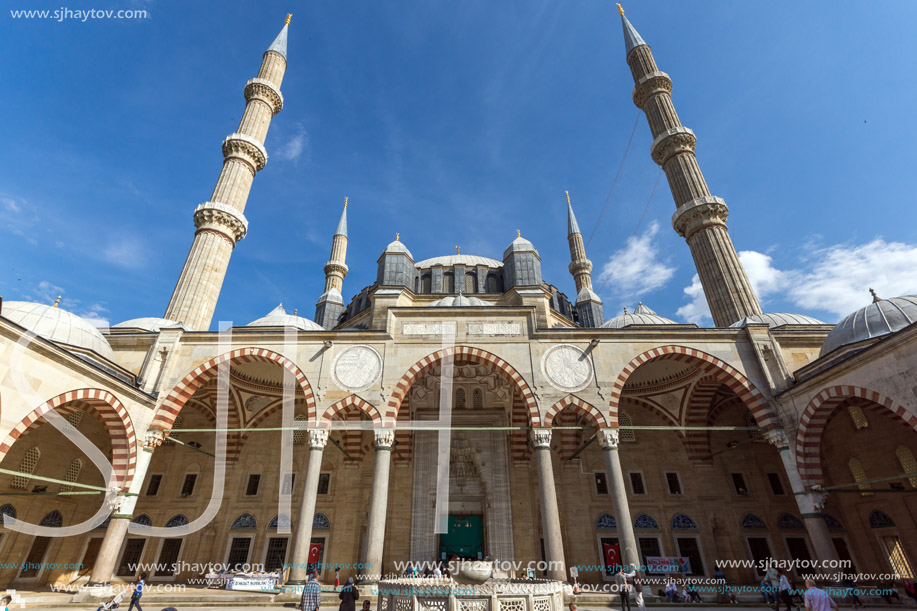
(642, 315)
(881, 317)
(398, 247)
(278, 317)
(587, 294)
(151, 324)
(520, 244)
(453, 260)
(57, 325)
(331, 295)
(777, 319)
(459, 302)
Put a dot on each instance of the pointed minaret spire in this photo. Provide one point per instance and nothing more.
(588, 304)
(280, 43)
(220, 222)
(700, 217)
(330, 305)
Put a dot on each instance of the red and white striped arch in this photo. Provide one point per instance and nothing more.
(819, 411)
(575, 404)
(339, 411)
(109, 410)
(191, 383)
(764, 413)
(473, 355)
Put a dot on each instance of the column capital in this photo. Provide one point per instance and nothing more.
(812, 503)
(609, 439)
(153, 439)
(318, 438)
(777, 438)
(385, 439)
(541, 438)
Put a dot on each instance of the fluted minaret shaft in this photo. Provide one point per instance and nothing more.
(588, 305)
(700, 217)
(330, 305)
(220, 222)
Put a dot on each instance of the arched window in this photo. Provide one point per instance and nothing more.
(246, 521)
(880, 519)
(176, 521)
(448, 282)
(625, 434)
(143, 520)
(788, 521)
(26, 465)
(477, 399)
(470, 283)
(8, 510)
(832, 522)
(908, 463)
(606, 521)
(645, 521)
(859, 475)
(417, 284)
(683, 522)
(492, 284)
(753, 522)
(299, 435)
(53, 519)
(73, 472)
(459, 398)
(426, 283)
(320, 522)
(858, 417)
(280, 520)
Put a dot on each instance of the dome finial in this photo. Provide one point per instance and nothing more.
(625, 310)
(458, 249)
(620, 9)
(295, 312)
(56, 302)
(397, 237)
(568, 196)
(345, 201)
(518, 234)
(875, 298)
(290, 16)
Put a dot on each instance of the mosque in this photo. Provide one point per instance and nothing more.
(460, 405)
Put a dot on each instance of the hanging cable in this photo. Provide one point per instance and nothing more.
(614, 185)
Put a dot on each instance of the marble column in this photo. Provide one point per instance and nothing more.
(627, 542)
(378, 504)
(550, 515)
(810, 502)
(104, 567)
(302, 541)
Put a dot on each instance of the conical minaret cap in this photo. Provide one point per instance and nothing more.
(632, 38)
(342, 224)
(280, 43)
(572, 225)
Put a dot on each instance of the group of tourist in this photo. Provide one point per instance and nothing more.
(311, 599)
(437, 569)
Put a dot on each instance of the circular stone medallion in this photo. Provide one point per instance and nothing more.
(356, 368)
(567, 368)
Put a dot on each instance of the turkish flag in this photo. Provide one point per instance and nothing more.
(314, 550)
(612, 556)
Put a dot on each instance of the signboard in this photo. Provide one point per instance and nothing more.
(668, 564)
(612, 556)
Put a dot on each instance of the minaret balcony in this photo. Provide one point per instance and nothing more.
(671, 142)
(245, 148)
(650, 85)
(264, 90)
(222, 218)
(698, 214)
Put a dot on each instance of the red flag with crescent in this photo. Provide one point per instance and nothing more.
(612, 556)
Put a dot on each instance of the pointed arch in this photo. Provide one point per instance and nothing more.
(339, 408)
(193, 381)
(114, 417)
(765, 414)
(579, 406)
(475, 355)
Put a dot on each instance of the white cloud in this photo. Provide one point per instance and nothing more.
(834, 279)
(11, 204)
(96, 315)
(126, 251)
(294, 147)
(636, 269)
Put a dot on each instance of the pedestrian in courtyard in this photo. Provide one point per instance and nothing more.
(138, 593)
(887, 590)
(572, 607)
(769, 596)
(437, 572)
(349, 595)
(719, 577)
(783, 586)
(5, 601)
(671, 590)
(816, 599)
(311, 594)
(623, 588)
(337, 578)
(638, 593)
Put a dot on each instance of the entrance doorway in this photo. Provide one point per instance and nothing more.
(465, 538)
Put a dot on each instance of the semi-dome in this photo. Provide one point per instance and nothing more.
(642, 315)
(881, 317)
(465, 260)
(459, 302)
(520, 244)
(777, 319)
(57, 325)
(398, 247)
(150, 323)
(278, 317)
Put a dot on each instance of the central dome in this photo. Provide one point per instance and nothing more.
(57, 325)
(465, 260)
(641, 315)
(459, 302)
(278, 317)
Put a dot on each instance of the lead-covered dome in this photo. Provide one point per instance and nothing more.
(149, 323)
(881, 317)
(461, 260)
(398, 247)
(459, 302)
(641, 315)
(278, 317)
(520, 244)
(57, 325)
(777, 319)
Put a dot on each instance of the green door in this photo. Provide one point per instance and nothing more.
(465, 538)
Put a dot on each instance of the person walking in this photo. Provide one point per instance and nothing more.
(311, 598)
(366, 605)
(816, 599)
(623, 588)
(337, 578)
(719, 577)
(784, 593)
(638, 593)
(772, 577)
(349, 595)
(138, 592)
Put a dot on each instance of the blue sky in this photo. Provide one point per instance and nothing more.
(456, 124)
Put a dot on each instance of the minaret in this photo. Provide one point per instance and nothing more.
(330, 305)
(588, 304)
(700, 217)
(220, 223)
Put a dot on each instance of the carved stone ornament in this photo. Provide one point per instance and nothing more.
(812, 502)
(246, 148)
(356, 368)
(608, 438)
(777, 438)
(581, 266)
(567, 368)
(385, 438)
(153, 439)
(541, 438)
(650, 85)
(221, 218)
(264, 90)
(699, 213)
(671, 142)
(318, 439)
